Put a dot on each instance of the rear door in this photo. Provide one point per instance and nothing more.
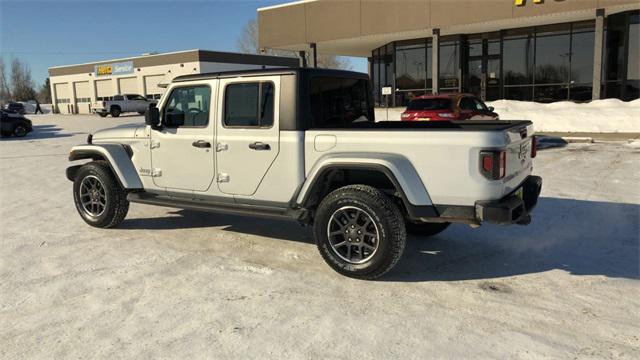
(248, 136)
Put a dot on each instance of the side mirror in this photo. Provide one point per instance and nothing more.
(152, 117)
(491, 108)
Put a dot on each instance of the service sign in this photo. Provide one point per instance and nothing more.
(120, 68)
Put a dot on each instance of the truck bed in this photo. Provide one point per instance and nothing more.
(464, 125)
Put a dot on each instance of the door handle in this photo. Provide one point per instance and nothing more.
(201, 144)
(259, 146)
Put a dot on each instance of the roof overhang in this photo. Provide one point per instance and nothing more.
(354, 28)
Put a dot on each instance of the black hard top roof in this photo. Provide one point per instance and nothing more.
(272, 71)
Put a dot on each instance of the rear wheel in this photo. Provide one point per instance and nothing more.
(426, 229)
(99, 198)
(115, 111)
(141, 112)
(359, 231)
(103, 114)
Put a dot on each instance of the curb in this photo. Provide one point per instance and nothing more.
(577, 139)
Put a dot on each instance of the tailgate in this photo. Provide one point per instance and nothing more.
(519, 163)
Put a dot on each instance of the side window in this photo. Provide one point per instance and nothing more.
(187, 107)
(480, 105)
(249, 104)
(135, 97)
(118, 98)
(467, 104)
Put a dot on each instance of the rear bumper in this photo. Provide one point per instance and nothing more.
(512, 208)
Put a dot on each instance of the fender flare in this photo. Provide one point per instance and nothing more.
(117, 157)
(396, 167)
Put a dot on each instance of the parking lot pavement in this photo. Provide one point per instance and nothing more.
(173, 283)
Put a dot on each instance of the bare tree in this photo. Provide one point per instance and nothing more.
(21, 81)
(248, 43)
(44, 95)
(5, 90)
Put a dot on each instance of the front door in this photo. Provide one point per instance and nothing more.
(182, 155)
(248, 136)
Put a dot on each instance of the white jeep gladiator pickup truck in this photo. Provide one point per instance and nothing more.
(121, 104)
(303, 144)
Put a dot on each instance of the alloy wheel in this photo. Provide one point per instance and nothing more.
(352, 234)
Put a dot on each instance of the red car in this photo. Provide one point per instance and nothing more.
(445, 107)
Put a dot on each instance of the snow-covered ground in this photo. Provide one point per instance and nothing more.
(169, 283)
(605, 116)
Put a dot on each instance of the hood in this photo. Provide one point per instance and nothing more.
(119, 132)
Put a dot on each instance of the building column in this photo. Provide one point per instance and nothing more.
(54, 98)
(598, 52)
(435, 56)
(314, 55)
(302, 56)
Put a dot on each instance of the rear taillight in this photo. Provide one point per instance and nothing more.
(534, 146)
(104, 103)
(493, 164)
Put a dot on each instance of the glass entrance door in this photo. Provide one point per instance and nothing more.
(483, 69)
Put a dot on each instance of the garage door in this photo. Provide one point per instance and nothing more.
(104, 89)
(151, 88)
(63, 98)
(128, 85)
(83, 97)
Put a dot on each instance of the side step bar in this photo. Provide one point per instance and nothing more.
(217, 207)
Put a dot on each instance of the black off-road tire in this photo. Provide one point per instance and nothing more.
(116, 207)
(141, 112)
(115, 111)
(103, 114)
(20, 131)
(426, 229)
(387, 218)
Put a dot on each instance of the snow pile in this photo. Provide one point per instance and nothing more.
(600, 116)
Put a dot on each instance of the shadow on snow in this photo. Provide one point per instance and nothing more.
(580, 237)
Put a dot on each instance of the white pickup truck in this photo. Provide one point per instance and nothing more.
(303, 144)
(121, 104)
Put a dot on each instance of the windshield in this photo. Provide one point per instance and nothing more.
(339, 101)
(429, 104)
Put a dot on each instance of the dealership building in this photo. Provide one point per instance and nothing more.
(75, 87)
(531, 50)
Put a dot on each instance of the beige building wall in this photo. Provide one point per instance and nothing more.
(70, 85)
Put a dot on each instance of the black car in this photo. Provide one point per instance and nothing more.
(14, 124)
(15, 107)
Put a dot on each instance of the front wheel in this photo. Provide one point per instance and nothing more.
(359, 231)
(20, 131)
(99, 198)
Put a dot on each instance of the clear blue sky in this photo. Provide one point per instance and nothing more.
(51, 33)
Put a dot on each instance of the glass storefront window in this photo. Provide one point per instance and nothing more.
(632, 90)
(522, 93)
(449, 59)
(518, 59)
(553, 51)
(582, 57)
(412, 67)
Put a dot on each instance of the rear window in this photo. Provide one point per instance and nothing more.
(337, 102)
(429, 104)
